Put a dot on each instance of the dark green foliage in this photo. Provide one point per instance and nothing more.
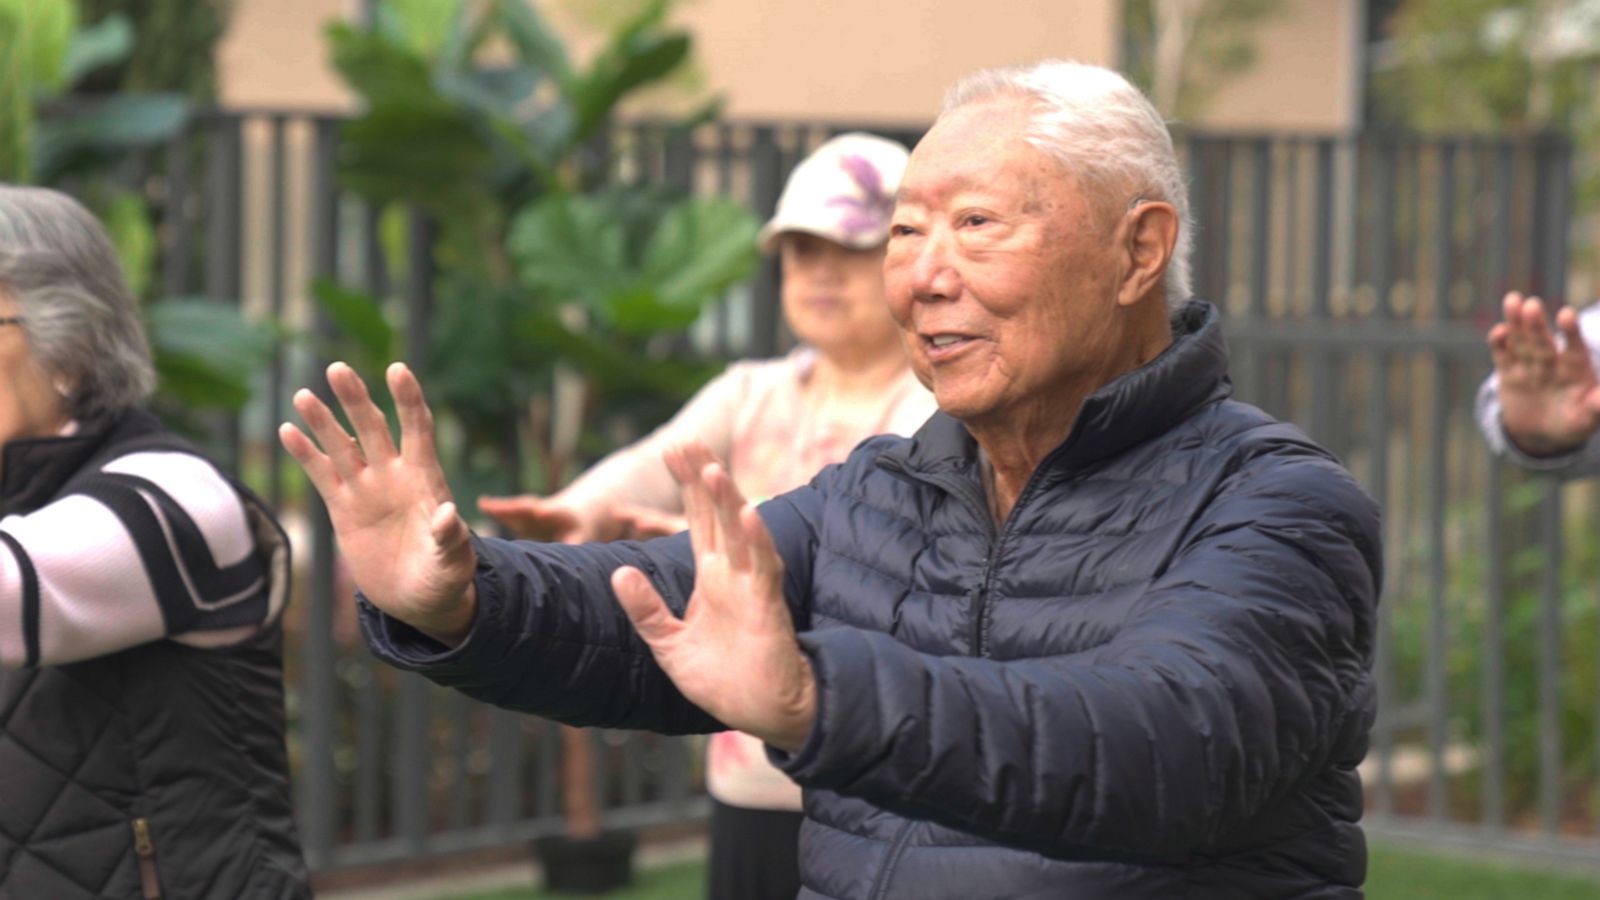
(173, 48)
(543, 259)
(76, 109)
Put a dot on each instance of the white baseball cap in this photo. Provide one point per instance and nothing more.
(844, 191)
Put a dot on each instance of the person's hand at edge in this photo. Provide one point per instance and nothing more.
(534, 518)
(1549, 396)
(640, 523)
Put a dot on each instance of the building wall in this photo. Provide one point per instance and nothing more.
(886, 60)
(275, 55)
(883, 61)
(1307, 73)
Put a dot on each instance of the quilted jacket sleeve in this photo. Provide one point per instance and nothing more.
(1242, 667)
(550, 638)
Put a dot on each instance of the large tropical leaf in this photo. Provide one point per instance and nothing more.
(105, 43)
(701, 248)
(421, 26)
(368, 341)
(624, 67)
(93, 129)
(127, 221)
(206, 352)
(381, 70)
(537, 46)
(37, 35)
(16, 103)
(570, 247)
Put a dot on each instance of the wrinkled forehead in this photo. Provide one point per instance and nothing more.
(984, 148)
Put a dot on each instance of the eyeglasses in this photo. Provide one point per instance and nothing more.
(10, 320)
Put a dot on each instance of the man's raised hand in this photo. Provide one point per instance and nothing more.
(1549, 396)
(734, 653)
(405, 544)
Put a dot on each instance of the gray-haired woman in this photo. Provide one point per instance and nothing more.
(141, 693)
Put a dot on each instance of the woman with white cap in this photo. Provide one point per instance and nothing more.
(777, 422)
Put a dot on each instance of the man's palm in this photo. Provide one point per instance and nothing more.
(406, 547)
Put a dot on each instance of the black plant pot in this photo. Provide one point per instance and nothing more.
(587, 865)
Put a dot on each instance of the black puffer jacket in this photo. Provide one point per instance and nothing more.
(159, 770)
(1153, 681)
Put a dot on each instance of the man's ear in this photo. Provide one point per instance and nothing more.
(1149, 234)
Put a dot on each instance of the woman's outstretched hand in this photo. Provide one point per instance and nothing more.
(1549, 397)
(407, 548)
(734, 653)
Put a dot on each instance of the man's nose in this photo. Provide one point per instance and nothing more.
(933, 272)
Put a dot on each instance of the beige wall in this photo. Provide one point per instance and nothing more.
(864, 60)
(1306, 74)
(880, 60)
(877, 60)
(275, 55)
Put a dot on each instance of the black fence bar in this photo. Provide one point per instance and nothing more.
(1438, 434)
(1494, 648)
(277, 294)
(318, 690)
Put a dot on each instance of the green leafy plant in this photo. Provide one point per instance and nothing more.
(559, 292)
(52, 135)
(542, 261)
(1467, 622)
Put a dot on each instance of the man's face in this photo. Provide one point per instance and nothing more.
(1000, 273)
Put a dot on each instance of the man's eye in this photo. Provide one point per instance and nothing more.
(900, 230)
(975, 219)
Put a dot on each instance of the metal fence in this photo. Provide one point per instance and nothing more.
(1358, 275)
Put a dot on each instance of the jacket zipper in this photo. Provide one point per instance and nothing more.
(976, 503)
(880, 885)
(980, 606)
(144, 847)
(980, 619)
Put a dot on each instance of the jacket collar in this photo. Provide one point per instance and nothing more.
(33, 470)
(1144, 403)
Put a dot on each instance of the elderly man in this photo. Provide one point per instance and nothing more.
(1094, 631)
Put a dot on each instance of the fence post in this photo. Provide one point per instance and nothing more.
(319, 695)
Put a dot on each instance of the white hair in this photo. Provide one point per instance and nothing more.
(82, 321)
(1102, 130)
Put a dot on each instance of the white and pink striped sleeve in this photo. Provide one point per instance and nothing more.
(155, 545)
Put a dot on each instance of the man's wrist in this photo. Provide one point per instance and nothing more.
(804, 719)
(1540, 447)
(453, 628)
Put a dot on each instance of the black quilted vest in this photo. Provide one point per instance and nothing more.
(155, 771)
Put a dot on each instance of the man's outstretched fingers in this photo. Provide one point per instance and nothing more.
(372, 427)
(337, 443)
(763, 552)
(1573, 345)
(726, 501)
(416, 420)
(644, 606)
(697, 502)
(1534, 322)
(317, 466)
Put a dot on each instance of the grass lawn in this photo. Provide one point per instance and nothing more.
(680, 881)
(1394, 875)
(1408, 875)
